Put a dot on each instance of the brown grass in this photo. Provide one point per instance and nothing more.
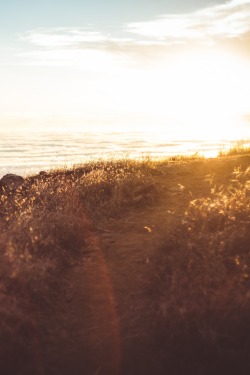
(240, 148)
(200, 278)
(202, 285)
(45, 230)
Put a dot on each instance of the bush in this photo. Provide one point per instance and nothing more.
(114, 186)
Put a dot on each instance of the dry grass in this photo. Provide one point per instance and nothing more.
(201, 274)
(45, 230)
(113, 186)
(179, 158)
(240, 148)
(202, 285)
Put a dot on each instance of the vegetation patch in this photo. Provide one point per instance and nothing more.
(43, 231)
(240, 148)
(113, 187)
(196, 318)
(202, 285)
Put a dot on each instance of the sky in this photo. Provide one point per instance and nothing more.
(178, 66)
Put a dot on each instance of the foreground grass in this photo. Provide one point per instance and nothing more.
(202, 284)
(44, 230)
(199, 278)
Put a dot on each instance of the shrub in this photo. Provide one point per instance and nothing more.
(113, 186)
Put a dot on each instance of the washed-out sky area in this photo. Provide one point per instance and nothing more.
(80, 65)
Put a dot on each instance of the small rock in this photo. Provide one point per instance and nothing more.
(11, 182)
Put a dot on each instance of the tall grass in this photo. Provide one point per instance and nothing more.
(113, 186)
(202, 272)
(45, 229)
(240, 148)
(202, 285)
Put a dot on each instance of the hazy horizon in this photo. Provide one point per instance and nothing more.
(27, 153)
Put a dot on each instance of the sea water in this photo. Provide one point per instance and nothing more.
(27, 153)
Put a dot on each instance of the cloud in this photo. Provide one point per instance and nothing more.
(73, 46)
(71, 37)
(139, 42)
(62, 37)
(227, 20)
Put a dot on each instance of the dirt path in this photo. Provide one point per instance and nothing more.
(105, 320)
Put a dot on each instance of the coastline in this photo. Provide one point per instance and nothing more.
(29, 153)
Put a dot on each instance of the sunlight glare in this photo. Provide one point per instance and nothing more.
(204, 94)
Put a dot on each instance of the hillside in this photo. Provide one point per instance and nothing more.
(85, 286)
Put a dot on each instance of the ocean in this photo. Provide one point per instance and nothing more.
(28, 153)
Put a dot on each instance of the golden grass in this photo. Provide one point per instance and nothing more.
(202, 280)
(240, 148)
(44, 230)
(201, 274)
